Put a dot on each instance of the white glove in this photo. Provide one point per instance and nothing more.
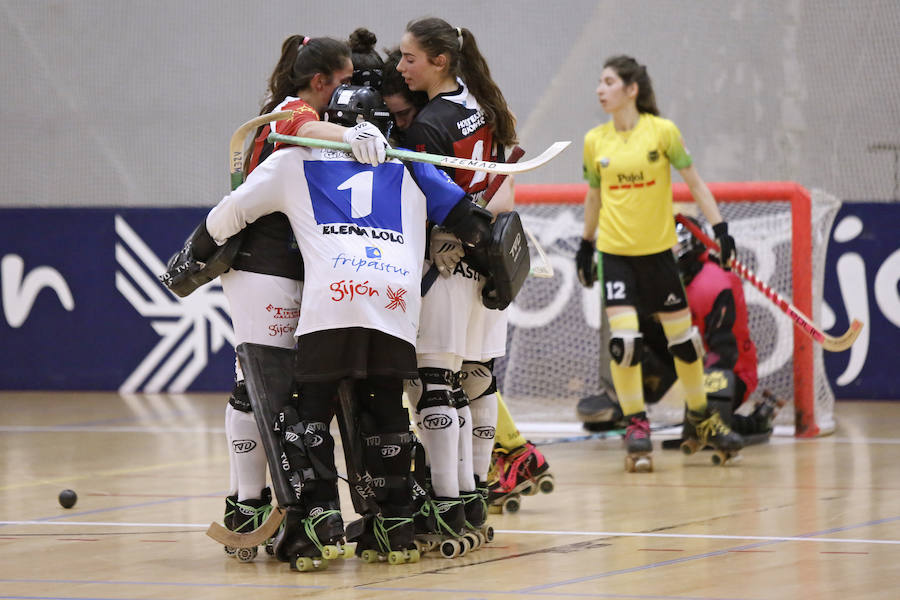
(446, 251)
(367, 143)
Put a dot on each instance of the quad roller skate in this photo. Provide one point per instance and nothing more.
(243, 517)
(309, 543)
(476, 509)
(441, 523)
(638, 445)
(706, 428)
(383, 537)
(520, 472)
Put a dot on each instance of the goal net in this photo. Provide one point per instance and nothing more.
(557, 344)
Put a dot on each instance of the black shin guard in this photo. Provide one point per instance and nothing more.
(268, 375)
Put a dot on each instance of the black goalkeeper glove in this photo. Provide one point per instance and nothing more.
(585, 265)
(726, 244)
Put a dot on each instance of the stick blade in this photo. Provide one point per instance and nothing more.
(257, 537)
(843, 342)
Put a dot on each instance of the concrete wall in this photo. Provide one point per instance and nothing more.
(122, 102)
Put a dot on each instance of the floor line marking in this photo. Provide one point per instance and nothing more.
(620, 534)
(674, 561)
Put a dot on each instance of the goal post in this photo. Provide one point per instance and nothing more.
(781, 230)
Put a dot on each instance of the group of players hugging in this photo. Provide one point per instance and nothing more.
(323, 257)
(355, 280)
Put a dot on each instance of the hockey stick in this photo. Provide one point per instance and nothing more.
(257, 537)
(436, 159)
(432, 274)
(599, 435)
(828, 342)
(236, 146)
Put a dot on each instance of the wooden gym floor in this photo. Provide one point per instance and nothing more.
(813, 519)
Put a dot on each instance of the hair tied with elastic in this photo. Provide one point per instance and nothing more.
(459, 37)
(304, 42)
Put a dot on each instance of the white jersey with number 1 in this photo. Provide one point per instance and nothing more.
(360, 230)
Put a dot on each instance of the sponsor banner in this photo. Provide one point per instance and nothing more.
(83, 308)
(862, 281)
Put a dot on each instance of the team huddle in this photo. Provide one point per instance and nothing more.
(355, 280)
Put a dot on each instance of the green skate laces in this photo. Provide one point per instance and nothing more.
(259, 517)
(382, 531)
(428, 509)
(309, 527)
(475, 496)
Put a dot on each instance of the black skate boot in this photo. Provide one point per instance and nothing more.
(441, 523)
(638, 445)
(476, 509)
(389, 535)
(228, 520)
(706, 428)
(247, 516)
(311, 538)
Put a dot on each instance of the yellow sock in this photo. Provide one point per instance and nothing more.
(507, 434)
(690, 374)
(627, 380)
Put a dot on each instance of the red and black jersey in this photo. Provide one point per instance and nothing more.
(453, 124)
(269, 246)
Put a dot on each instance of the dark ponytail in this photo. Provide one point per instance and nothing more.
(437, 37)
(301, 58)
(629, 71)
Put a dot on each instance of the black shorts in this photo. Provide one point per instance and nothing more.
(650, 283)
(353, 352)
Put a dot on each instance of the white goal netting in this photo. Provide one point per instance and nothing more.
(557, 350)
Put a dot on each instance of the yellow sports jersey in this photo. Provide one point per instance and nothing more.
(631, 168)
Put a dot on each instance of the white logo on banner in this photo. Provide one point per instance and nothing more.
(20, 293)
(189, 327)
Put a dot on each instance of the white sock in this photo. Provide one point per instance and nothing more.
(466, 474)
(438, 426)
(484, 424)
(249, 455)
(232, 467)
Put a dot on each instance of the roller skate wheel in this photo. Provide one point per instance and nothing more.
(545, 484)
(229, 550)
(638, 463)
(331, 552)
(347, 550)
(531, 490)
(270, 550)
(245, 554)
(413, 556)
(495, 509)
(465, 546)
(450, 549)
(689, 447)
(304, 563)
(369, 556)
(472, 540)
(488, 533)
(481, 539)
(396, 557)
(512, 504)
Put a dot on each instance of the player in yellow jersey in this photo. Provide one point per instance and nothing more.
(628, 219)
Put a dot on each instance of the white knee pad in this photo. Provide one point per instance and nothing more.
(477, 380)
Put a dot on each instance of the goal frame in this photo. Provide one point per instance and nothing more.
(800, 201)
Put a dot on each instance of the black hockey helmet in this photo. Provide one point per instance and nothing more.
(690, 251)
(352, 104)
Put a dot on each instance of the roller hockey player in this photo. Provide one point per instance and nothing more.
(361, 232)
